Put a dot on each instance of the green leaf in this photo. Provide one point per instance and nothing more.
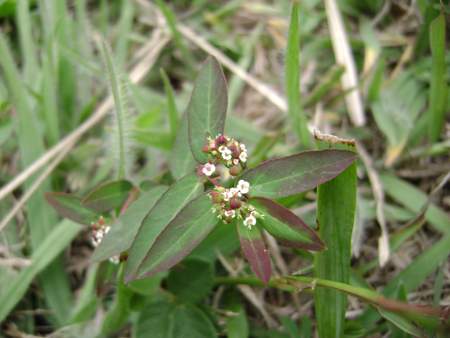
(439, 85)
(118, 314)
(414, 199)
(171, 106)
(401, 322)
(121, 115)
(179, 237)
(181, 160)
(286, 226)
(70, 206)
(207, 108)
(296, 173)
(164, 319)
(336, 205)
(162, 213)
(50, 248)
(108, 196)
(125, 228)
(292, 75)
(255, 251)
(396, 111)
(191, 280)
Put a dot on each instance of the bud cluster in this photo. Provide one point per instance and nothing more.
(231, 203)
(226, 151)
(99, 231)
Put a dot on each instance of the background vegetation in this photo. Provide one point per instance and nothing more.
(77, 123)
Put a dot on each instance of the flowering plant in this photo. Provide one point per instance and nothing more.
(213, 187)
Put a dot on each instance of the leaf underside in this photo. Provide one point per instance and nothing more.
(287, 227)
(69, 206)
(255, 251)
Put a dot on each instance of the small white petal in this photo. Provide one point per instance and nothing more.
(243, 156)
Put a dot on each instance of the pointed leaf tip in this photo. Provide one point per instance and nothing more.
(297, 173)
(69, 206)
(286, 226)
(207, 108)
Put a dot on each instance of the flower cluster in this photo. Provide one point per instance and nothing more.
(231, 203)
(99, 231)
(226, 151)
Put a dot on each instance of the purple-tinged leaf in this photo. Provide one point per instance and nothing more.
(180, 237)
(207, 108)
(157, 219)
(255, 251)
(70, 206)
(108, 196)
(297, 173)
(286, 226)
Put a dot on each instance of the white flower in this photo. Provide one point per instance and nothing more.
(114, 259)
(235, 161)
(208, 169)
(243, 156)
(250, 221)
(230, 213)
(226, 153)
(235, 191)
(243, 147)
(243, 186)
(227, 195)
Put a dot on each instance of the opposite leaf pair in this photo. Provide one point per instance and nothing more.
(165, 224)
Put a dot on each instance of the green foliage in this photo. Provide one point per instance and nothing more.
(297, 173)
(165, 319)
(47, 251)
(439, 83)
(166, 259)
(108, 196)
(207, 108)
(197, 286)
(297, 115)
(335, 217)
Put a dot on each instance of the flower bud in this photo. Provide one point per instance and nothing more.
(234, 150)
(205, 148)
(235, 170)
(216, 196)
(235, 203)
(220, 140)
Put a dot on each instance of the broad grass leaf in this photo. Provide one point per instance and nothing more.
(108, 196)
(124, 229)
(162, 213)
(336, 205)
(439, 88)
(70, 206)
(191, 225)
(287, 227)
(255, 251)
(297, 173)
(207, 107)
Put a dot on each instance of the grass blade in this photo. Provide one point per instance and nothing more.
(40, 219)
(336, 205)
(171, 106)
(47, 251)
(292, 74)
(439, 85)
(118, 88)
